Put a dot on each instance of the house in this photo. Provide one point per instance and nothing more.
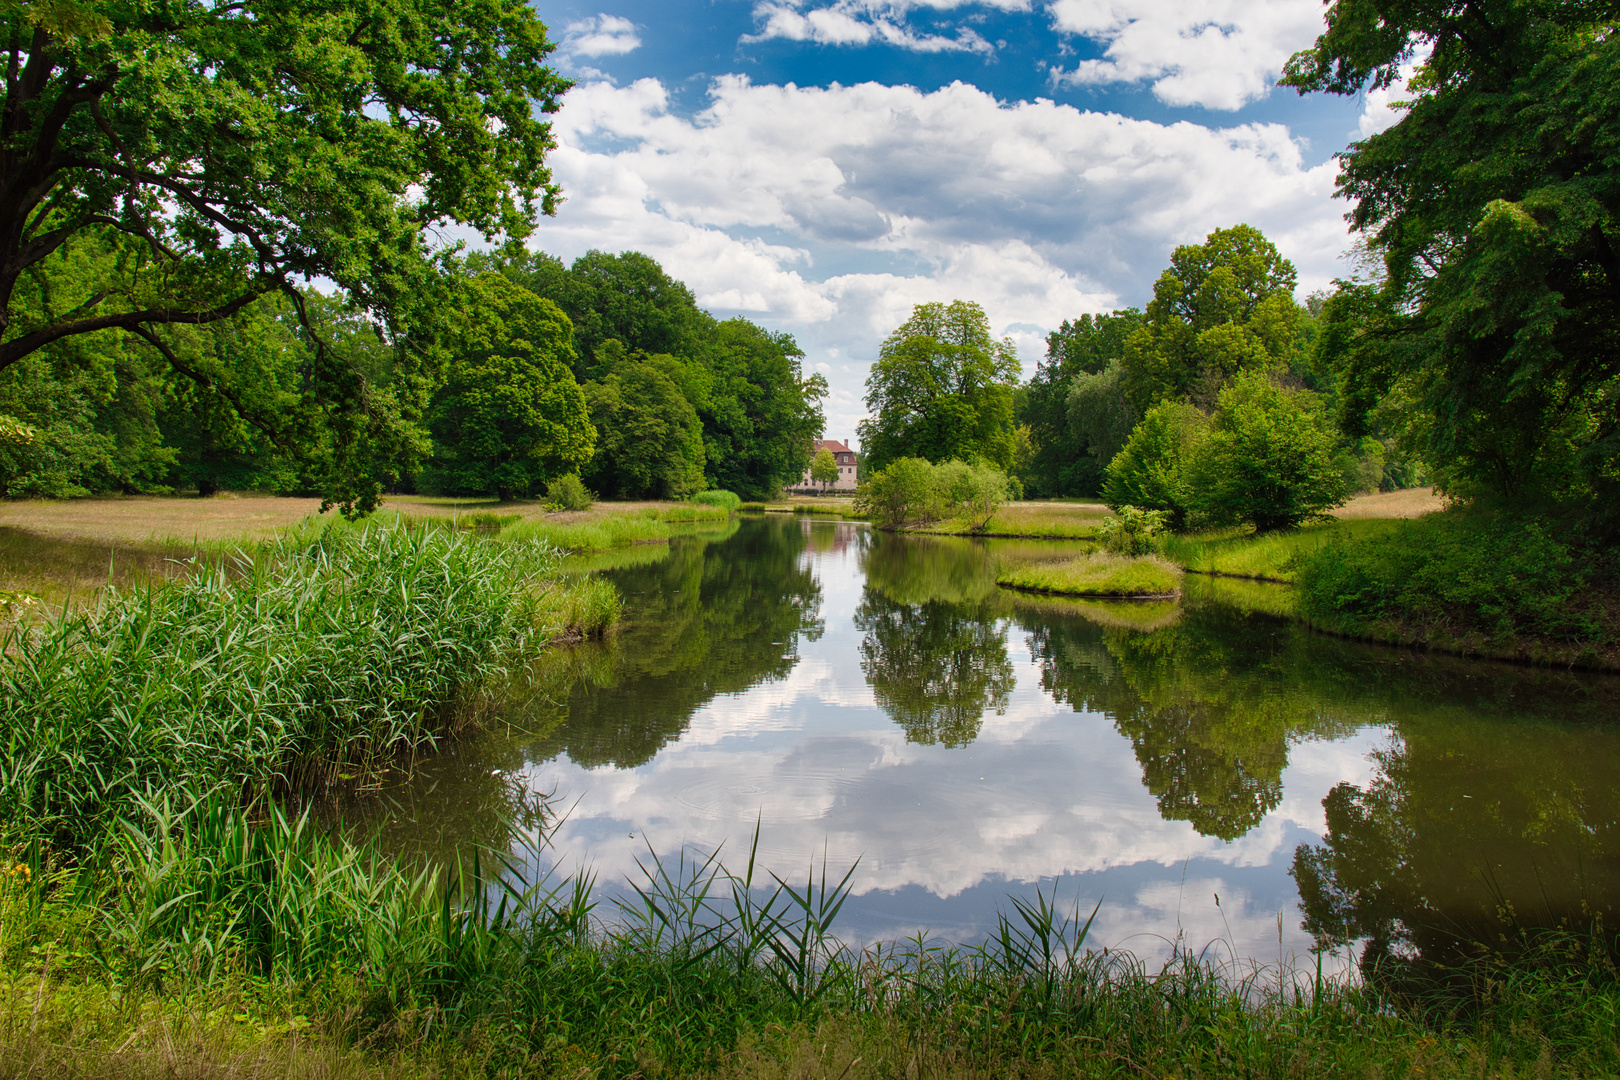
(847, 464)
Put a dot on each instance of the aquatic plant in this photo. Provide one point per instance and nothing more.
(312, 662)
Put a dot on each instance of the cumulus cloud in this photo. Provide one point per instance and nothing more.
(601, 35)
(1221, 54)
(829, 212)
(850, 22)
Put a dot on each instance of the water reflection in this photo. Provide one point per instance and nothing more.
(878, 696)
(716, 615)
(936, 668)
(1475, 828)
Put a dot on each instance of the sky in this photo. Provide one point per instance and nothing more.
(821, 166)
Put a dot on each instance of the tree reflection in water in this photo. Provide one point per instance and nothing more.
(935, 668)
(1478, 834)
(933, 650)
(717, 616)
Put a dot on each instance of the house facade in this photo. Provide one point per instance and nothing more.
(847, 464)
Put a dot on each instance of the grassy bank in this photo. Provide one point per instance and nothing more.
(1098, 573)
(601, 531)
(268, 941)
(313, 661)
(1268, 556)
(1476, 582)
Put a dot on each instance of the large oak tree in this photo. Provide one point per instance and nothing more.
(198, 156)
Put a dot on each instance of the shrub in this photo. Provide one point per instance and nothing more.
(1152, 470)
(1458, 571)
(1269, 458)
(1133, 530)
(726, 500)
(901, 493)
(569, 492)
(911, 491)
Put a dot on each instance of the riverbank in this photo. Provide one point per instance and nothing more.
(340, 965)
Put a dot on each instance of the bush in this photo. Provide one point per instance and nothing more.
(569, 493)
(725, 500)
(1153, 470)
(911, 492)
(1269, 458)
(1133, 530)
(1459, 573)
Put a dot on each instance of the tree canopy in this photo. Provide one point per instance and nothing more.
(1222, 307)
(1070, 447)
(1492, 204)
(942, 388)
(510, 415)
(169, 165)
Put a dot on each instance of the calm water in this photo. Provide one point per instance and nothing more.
(1208, 771)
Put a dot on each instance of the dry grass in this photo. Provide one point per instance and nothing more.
(1411, 503)
(144, 519)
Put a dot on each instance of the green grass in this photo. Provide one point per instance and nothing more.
(1268, 556)
(310, 663)
(243, 933)
(1099, 573)
(1056, 521)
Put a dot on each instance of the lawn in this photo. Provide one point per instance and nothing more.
(1098, 573)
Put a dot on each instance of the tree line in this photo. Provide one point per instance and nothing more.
(1477, 348)
(177, 180)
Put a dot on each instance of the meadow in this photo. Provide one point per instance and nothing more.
(171, 906)
(1098, 573)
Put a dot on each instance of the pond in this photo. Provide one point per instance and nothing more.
(1208, 772)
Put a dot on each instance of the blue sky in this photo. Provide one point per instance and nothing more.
(822, 165)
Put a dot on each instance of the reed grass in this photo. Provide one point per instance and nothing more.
(1099, 573)
(649, 525)
(702, 971)
(309, 663)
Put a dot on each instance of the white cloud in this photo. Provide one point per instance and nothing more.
(854, 22)
(829, 212)
(601, 35)
(1221, 54)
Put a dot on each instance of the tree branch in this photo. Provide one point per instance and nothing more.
(265, 428)
(133, 321)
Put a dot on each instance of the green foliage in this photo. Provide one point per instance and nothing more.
(171, 167)
(1152, 470)
(1097, 574)
(1454, 574)
(510, 415)
(1269, 457)
(568, 492)
(725, 500)
(758, 411)
(1132, 530)
(824, 468)
(1101, 414)
(942, 388)
(1493, 204)
(1069, 448)
(649, 438)
(282, 672)
(911, 492)
(1222, 307)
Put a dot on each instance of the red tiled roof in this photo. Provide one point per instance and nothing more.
(817, 445)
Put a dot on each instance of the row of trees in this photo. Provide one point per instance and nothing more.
(1212, 404)
(607, 368)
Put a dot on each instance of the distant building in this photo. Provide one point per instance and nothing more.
(847, 464)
